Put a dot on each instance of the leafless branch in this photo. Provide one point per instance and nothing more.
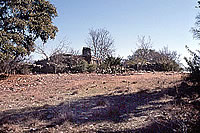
(101, 43)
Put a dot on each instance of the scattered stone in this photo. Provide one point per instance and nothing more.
(50, 96)
(11, 88)
(119, 91)
(93, 86)
(169, 74)
(134, 82)
(138, 73)
(33, 129)
(117, 88)
(126, 90)
(74, 93)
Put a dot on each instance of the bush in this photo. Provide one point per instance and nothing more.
(19, 65)
(81, 66)
(163, 60)
(23, 68)
(194, 67)
(91, 68)
(110, 65)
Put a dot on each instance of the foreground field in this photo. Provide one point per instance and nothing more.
(134, 102)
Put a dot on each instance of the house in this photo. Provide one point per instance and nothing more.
(60, 63)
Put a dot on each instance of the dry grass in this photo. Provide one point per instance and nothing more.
(151, 102)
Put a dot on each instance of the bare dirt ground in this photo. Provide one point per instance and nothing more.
(96, 103)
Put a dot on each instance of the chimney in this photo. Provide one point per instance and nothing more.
(86, 53)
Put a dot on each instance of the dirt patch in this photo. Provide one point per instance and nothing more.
(93, 103)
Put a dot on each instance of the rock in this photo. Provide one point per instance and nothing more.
(134, 82)
(11, 88)
(117, 88)
(40, 83)
(126, 90)
(33, 129)
(169, 74)
(74, 93)
(119, 91)
(138, 73)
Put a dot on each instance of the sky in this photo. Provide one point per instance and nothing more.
(167, 22)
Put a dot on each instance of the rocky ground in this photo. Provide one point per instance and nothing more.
(134, 102)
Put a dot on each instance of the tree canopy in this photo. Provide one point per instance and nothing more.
(22, 22)
(165, 59)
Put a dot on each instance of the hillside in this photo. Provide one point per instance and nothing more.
(134, 102)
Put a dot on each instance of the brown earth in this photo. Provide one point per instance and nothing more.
(134, 102)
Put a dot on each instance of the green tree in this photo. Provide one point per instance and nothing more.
(22, 22)
(165, 59)
(111, 65)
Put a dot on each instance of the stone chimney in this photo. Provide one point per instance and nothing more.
(86, 53)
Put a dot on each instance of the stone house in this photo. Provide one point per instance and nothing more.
(64, 62)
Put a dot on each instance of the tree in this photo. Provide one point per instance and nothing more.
(196, 29)
(146, 58)
(61, 48)
(101, 43)
(62, 58)
(140, 56)
(194, 66)
(170, 60)
(194, 61)
(22, 22)
(111, 65)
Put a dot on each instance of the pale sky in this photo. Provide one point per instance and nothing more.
(168, 22)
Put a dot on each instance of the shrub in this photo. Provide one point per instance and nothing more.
(81, 66)
(110, 65)
(91, 68)
(19, 65)
(194, 66)
(23, 68)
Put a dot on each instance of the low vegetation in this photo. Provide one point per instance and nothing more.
(194, 67)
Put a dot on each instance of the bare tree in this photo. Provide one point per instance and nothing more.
(61, 48)
(101, 43)
(169, 59)
(74, 51)
(144, 43)
(60, 59)
(170, 55)
(141, 55)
